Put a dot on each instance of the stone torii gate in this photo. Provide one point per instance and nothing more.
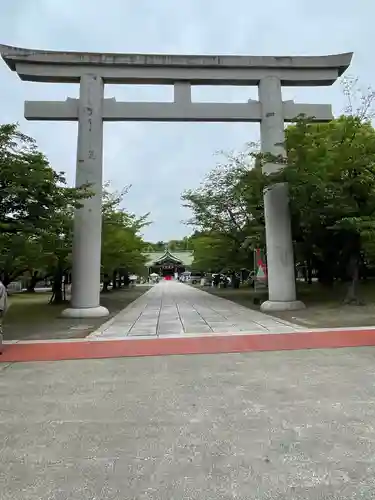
(92, 70)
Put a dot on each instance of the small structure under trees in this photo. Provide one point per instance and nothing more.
(167, 263)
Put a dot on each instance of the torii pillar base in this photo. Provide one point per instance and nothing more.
(85, 312)
(270, 306)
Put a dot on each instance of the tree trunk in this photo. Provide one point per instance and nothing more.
(32, 283)
(352, 292)
(126, 280)
(304, 272)
(114, 280)
(309, 271)
(6, 279)
(325, 273)
(106, 282)
(57, 292)
(235, 281)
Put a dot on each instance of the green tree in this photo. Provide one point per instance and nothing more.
(57, 251)
(30, 190)
(35, 203)
(19, 254)
(214, 252)
(227, 210)
(331, 177)
(122, 244)
(173, 245)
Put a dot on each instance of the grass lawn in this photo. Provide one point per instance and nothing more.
(31, 317)
(324, 307)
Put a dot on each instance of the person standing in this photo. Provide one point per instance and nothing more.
(3, 308)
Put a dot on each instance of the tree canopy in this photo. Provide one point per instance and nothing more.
(331, 177)
(31, 192)
(227, 211)
(122, 244)
(330, 172)
(172, 245)
(36, 219)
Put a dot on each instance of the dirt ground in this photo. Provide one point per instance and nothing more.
(31, 317)
(324, 306)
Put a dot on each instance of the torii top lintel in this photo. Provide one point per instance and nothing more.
(68, 67)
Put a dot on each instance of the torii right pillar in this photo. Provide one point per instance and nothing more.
(279, 242)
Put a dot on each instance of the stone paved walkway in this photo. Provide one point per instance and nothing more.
(175, 309)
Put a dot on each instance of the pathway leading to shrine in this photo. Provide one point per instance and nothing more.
(173, 318)
(174, 309)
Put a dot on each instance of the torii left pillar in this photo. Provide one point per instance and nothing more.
(85, 301)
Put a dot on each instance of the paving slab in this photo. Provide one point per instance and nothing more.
(172, 308)
(259, 426)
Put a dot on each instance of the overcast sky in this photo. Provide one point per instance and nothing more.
(160, 160)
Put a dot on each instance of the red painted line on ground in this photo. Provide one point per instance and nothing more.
(184, 345)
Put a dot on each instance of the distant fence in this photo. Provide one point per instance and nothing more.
(14, 287)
